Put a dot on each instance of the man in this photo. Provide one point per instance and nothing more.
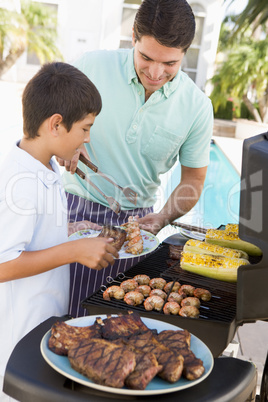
(152, 114)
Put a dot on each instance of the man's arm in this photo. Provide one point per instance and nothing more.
(182, 200)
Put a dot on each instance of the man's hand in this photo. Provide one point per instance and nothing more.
(152, 223)
(82, 225)
(71, 165)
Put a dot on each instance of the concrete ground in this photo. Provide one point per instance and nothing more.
(251, 340)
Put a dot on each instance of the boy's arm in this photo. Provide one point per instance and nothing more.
(82, 225)
(95, 253)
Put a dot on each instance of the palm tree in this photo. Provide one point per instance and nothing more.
(255, 14)
(243, 73)
(33, 29)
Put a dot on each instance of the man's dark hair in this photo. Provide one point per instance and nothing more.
(58, 88)
(169, 22)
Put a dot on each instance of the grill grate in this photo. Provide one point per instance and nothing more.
(222, 306)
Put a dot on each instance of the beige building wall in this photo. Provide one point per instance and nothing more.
(85, 25)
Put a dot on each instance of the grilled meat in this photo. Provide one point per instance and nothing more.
(113, 291)
(179, 342)
(122, 326)
(172, 363)
(146, 368)
(118, 234)
(102, 361)
(63, 336)
(175, 252)
(189, 311)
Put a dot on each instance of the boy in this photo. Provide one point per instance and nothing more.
(59, 107)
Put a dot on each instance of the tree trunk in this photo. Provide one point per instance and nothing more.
(253, 111)
(263, 106)
(10, 60)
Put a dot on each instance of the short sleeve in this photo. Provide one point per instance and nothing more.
(18, 219)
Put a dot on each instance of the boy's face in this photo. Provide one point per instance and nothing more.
(76, 137)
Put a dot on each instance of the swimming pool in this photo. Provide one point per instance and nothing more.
(219, 201)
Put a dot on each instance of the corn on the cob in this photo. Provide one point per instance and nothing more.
(201, 247)
(231, 227)
(231, 240)
(217, 267)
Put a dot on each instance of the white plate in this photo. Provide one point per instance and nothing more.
(150, 242)
(157, 386)
(192, 234)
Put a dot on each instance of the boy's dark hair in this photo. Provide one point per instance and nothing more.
(58, 88)
(169, 22)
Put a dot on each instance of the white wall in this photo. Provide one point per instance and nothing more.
(214, 14)
(85, 25)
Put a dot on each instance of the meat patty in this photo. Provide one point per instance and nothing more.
(118, 234)
(63, 336)
(102, 361)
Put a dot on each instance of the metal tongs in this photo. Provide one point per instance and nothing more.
(189, 227)
(128, 192)
(114, 205)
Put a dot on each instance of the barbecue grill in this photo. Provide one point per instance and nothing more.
(232, 305)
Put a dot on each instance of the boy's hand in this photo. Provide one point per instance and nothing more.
(82, 225)
(96, 253)
(71, 165)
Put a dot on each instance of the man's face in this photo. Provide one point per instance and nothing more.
(155, 64)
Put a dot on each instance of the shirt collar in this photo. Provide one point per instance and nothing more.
(47, 176)
(167, 89)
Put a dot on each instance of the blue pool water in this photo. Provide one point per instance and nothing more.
(219, 201)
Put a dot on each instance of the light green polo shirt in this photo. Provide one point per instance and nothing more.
(134, 141)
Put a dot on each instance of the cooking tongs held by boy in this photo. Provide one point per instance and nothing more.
(130, 194)
(114, 205)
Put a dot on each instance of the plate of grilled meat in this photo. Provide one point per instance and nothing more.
(126, 354)
(128, 244)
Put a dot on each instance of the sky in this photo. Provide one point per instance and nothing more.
(236, 7)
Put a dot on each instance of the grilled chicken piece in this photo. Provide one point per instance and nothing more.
(102, 361)
(179, 342)
(122, 326)
(119, 235)
(172, 363)
(63, 336)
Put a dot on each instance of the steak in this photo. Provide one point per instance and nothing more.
(178, 342)
(172, 364)
(122, 326)
(63, 336)
(146, 369)
(102, 361)
(118, 234)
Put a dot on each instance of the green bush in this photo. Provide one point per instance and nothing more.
(225, 113)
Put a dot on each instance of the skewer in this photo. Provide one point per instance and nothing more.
(121, 275)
